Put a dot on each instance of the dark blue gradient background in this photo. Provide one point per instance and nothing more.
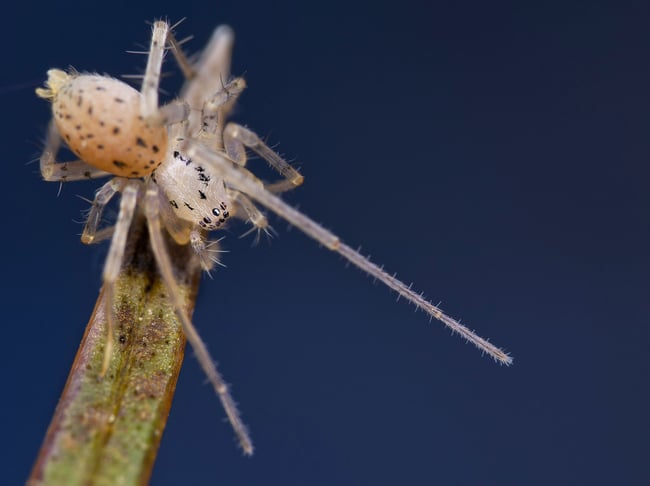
(493, 153)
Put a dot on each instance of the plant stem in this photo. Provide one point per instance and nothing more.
(106, 431)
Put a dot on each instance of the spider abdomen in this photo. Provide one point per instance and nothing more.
(99, 118)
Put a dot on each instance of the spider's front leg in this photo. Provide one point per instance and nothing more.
(244, 182)
(153, 214)
(130, 189)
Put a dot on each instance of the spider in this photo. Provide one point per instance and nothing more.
(184, 165)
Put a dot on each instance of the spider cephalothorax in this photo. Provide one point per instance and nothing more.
(194, 191)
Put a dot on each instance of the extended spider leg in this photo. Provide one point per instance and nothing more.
(200, 349)
(237, 138)
(114, 260)
(240, 179)
(53, 171)
(102, 198)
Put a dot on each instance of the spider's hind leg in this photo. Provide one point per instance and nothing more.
(53, 171)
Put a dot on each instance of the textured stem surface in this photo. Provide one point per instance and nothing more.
(106, 431)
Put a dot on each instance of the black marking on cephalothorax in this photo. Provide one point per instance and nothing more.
(188, 206)
(226, 214)
(199, 169)
(116, 130)
(223, 205)
(90, 110)
(118, 100)
(202, 195)
(135, 173)
(174, 203)
(178, 156)
(140, 143)
(155, 149)
(87, 174)
(207, 220)
(204, 178)
(100, 88)
(202, 224)
(100, 146)
(119, 164)
(80, 100)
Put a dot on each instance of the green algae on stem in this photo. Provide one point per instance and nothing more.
(106, 431)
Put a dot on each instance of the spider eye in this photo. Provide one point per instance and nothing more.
(216, 212)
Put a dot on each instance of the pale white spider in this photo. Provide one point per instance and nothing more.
(185, 166)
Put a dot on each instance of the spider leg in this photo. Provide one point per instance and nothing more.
(130, 194)
(53, 171)
(172, 112)
(102, 198)
(215, 111)
(246, 209)
(241, 180)
(151, 81)
(212, 67)
(200, 349)
(181, 59)
(206, 250)
(237, 138)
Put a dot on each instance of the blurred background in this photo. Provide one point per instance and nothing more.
(495, 154)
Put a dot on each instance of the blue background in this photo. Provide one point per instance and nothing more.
(493, 153)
